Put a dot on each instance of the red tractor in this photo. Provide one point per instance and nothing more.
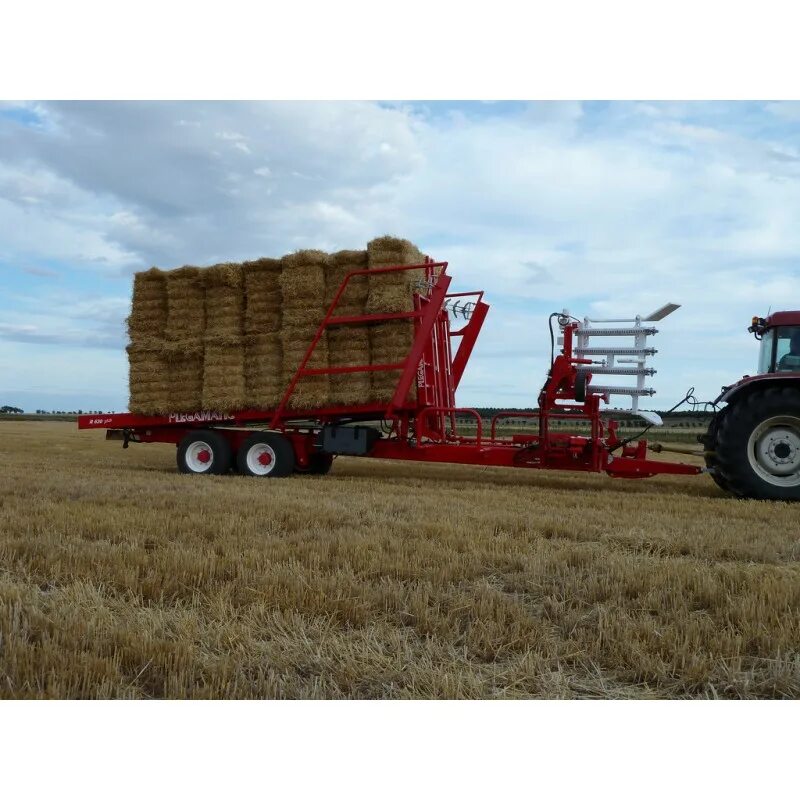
(753, 443)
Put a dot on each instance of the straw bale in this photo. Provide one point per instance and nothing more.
(224, 303)
(311, 391)
(175, 351)
(265, 347)
(148, 317)
(348, 346)
(263, 296)
(390, 343)
(227, 275)
(299, 316)
(302, 278)
(186, 317)
(224, 373)
(148, 380)
(295, 340)
(354, 298)
(392, 291)
(263, 370)
(185, 384)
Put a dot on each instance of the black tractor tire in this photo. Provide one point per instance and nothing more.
(204, 453)
(318, 464)
(266, 455)
(757, 445)
(709, 441)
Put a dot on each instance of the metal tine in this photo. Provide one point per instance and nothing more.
(458, 308)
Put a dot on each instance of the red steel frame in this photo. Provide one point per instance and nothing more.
(423, 425)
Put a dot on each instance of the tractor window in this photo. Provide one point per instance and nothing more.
(787, 353)
(765, 353)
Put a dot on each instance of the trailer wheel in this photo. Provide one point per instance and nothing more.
(204, 453)
(266, 455)
(318, 464)
(758, 445)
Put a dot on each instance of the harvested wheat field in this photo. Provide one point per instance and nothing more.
(122, 578)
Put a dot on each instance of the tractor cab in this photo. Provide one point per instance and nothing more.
(779, 334)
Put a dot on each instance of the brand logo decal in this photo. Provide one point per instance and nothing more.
(200, 416)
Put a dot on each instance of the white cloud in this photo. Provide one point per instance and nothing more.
(616, 208)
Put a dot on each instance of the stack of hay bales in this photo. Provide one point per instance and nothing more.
(302, 282)
(390, 341)
(224, 348)
(149, 380)
(232, 336)
(348, 345)
(183, 343)
(263, 361)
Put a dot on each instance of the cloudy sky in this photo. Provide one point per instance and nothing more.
(603, 208)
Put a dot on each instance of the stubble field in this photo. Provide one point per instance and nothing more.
(121, 578)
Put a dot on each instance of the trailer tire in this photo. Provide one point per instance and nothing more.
(318, 464)
(204, 453)
(757, 448)
(266, 455)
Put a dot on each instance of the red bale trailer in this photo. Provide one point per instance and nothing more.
(420, 422)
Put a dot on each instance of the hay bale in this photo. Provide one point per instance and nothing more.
(263, 370)
(148, 380)
(174, 352)
(186, 308)
(183, 373)
(302, 282)
(354, 298)
(148, 317)
(224, 300)
(263, 296)
(302, 278)
(294, 343)
(185, 384)
(224, 373)
(312, 391)
(390, 343)
(348, 346)
(306, 317)
(392, 291)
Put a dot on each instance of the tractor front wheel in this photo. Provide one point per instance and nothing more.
(757, 445)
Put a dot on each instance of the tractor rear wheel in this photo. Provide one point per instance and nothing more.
(757, 447)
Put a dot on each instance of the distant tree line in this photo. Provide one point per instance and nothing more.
(79, 411)
(53, 412)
